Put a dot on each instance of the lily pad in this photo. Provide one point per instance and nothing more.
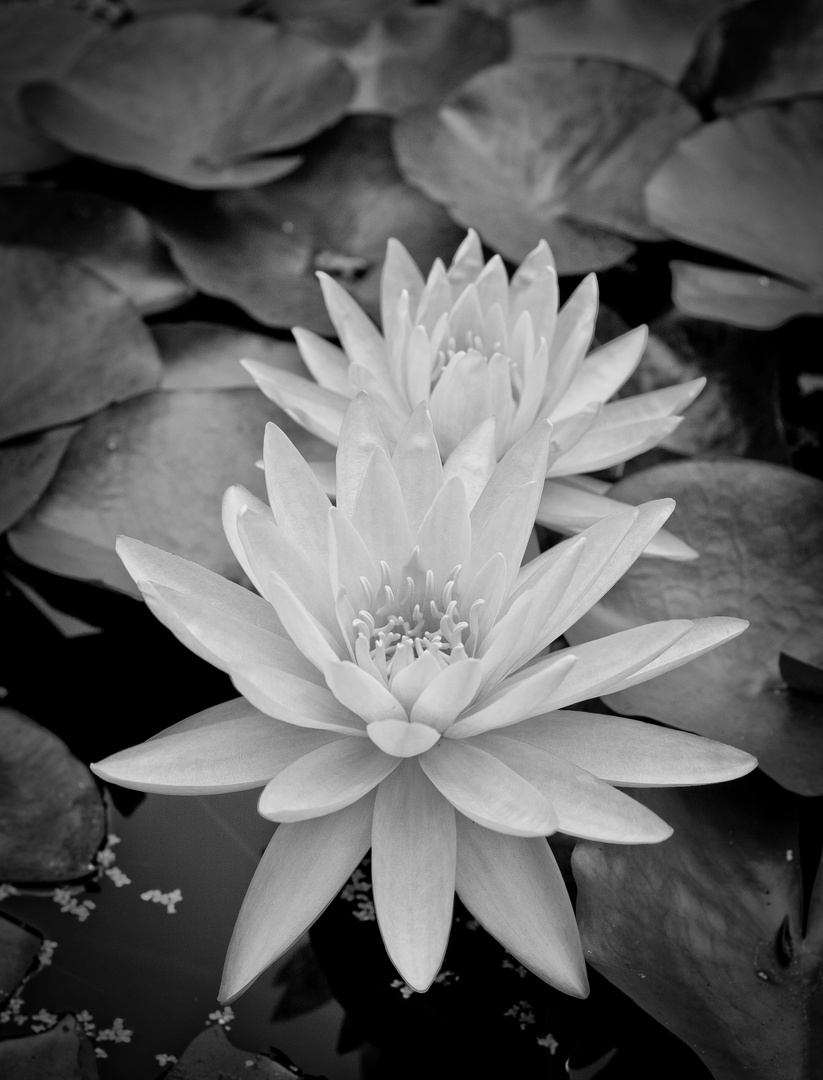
(758, 528)
(36, 41)
(70, 343)
(261, 248)
(206, 356)
(749, 186)
(705, 930)
(26, 467)
(51, 812)
(108, 237)
(759, 51)
(19, 946)
(211, 1056)
(62, 1053)
(656, 37)
(741, 299)
(556, 148)
(417, 56)
(199, 99)
(155, 468)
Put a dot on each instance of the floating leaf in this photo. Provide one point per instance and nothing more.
(554, 148)
(758, 528)
(261, 248)
(195, 98)
(36, 41)
(739, 298)
(801, 664)
(749, 186)
(19, 947)
(336, 22)
(105, 236)
(211, 1056)
(759, 51)
(70, 343)
(417, 56)
(704, 930)
(155, 468)
(51, 815)
(26, 467)
(63, 1053)
(644, 33)
(206, 356)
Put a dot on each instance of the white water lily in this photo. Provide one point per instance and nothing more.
(398, 694)
(473, 345)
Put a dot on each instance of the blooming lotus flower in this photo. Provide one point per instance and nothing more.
(397, 694)
(472, 345)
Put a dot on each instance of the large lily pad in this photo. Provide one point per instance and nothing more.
(749, 186)
(261, 248)
(70, 343)
(758, 528)
(26, 467)
(645, 33)
(212, 1057)
(759, 51)
(556, 148)
(106, 236)
(197, 98)
(741, 299)
(155, 468)
(417, 56)
(36, 41)
(705, 931)
(206, 356)
(62, 1053)
(52, 818)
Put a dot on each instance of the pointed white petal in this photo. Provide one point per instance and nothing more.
(448, 694)
(299, 504)
(328, 363)
(474, 459)
(293, 700)
(493, 285)
(408, 683)
(572, 337)
(515, 890)
(235, 499)
(349, 561)
(601, 446)
(318, 410)
(229, 747)
(538, 300)
(359, 435)
(445, 534)
(524, 463)
(416, 462)
(467, 263)
(482, 599)
(399, 273)
(480, 786)
(302, 870)
(603, 372)
(654, 404)
(361, 340)
(413, 865)
(460, 399)
(400, 739)
(362, 693)
(380, 514)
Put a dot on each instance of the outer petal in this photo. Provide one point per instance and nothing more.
(467, 263)
(474, 459)
(413, 866)
(318, 410)
(359, 436)
(361, 340)
(299, 503)
(235, 499)
(226, 748)
(603, 372)
(514, 889)
(399, 273)
(603, 446)
(315, 641)
(328, 364)
(480, 786)
(572, 337)
(460, 399)
(294, 700)
(506, 531)
(630, 752)
(325, 780)
(302, 870)
(524, 463)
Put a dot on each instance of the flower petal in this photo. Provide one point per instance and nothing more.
(317, 643)
(302, 870)
(228, 747)
(362, 693)
(480, 786)
(325, 780)
(413, 865)
(401, 739)
(506, 532)
(524, 463)
(350, 560)
(630, 752)
(474, 459)
(328, 363)
(235, 499)
(572, 337)
(409, 682)
(299, 504)
(445, 534)
(399, 274)
(380, 514)
(416, 462)
(460, 398)
(515, 890)
(603, 372)
(318, 410)
(585, 806)
(467, 263)
(603, 446)
(447, 695)
(361, 340)
(294, 700)
(359, 435)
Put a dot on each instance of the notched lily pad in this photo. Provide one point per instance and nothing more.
(200, 99)
(261, 248)
(26, 467)
(19, 946)
(155, 468)
(742, 299)
(62, 1053)
(211, 1056)
(206, 356)
(70, 343)
(759, 531)
(554, 147)
(106, 236)
(749, 186)
(51, 814)
(704, 931)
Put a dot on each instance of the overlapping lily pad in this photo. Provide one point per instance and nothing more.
(555, 148)
(36, 41)
(52, 818)
(758, 528)
(206, 356)
(104, 235)
(705, 931)
(70, 342)
(261, 248)
(748, 186)
(212, 1057)
(155, 468)
(62, 1053)
(26, 467)
(19, 946)
(201, 99)
(741, 299)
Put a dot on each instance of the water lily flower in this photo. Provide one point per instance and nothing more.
(472, 344)
(399, 694)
